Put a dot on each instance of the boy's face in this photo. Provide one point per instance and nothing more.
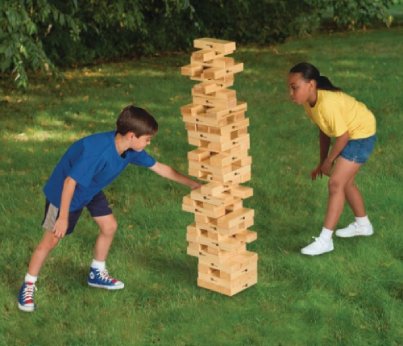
(139, 143)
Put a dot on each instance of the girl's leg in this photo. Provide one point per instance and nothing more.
(355, 199)
(107, 228)
(344, 172)
(48, 242)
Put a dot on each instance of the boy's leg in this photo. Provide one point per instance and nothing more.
(42, 251)
(107, 228)
(102, 215)
(46, 245)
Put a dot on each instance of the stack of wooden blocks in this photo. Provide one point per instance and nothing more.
(217, 125)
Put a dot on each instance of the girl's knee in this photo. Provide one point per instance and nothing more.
(335, 185)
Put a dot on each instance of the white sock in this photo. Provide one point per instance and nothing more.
(98, 264)
(326, 234)
(363, 221)
(30, 278)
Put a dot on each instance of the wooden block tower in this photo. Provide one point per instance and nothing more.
(217, 125)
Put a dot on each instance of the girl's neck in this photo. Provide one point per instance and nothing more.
(313, 98)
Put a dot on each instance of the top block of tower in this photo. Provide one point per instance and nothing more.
(220, 46)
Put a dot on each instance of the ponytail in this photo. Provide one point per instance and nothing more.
(310, 72)
(324, 83)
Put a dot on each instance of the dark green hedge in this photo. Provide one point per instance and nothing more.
(42, 34)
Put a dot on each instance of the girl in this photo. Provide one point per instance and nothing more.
(353, 126)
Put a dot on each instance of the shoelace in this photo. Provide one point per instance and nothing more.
(105, 276)
(28, 293)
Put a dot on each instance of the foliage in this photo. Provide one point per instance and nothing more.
(360, 13)
(42, 34)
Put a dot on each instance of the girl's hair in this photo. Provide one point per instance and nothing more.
(136, 120)
(310, 72)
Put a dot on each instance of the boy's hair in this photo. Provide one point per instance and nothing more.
(310, 72)
(136, 120)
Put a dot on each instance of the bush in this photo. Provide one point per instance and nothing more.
(42, 34)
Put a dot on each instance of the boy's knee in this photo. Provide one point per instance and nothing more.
(109, 228)
(49, 242)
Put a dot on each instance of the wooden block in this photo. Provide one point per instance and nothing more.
(214, 102)
(213, 145)
(215, 73)
(192, 70)
(224, 198)
(235, 218)
(236, 263)
(219, 60)
(203, 237)
(211, 224)
(203, 55)
(229, 174)
(244, 282)
(242, 191)
(225, 277)
(192, 110)
(214, 188)
(211, 210)
(220, 46)
(212, 238)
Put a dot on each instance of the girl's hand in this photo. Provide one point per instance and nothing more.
(317, 171)
(326, 167)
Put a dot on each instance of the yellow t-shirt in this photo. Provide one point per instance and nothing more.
(336, 112)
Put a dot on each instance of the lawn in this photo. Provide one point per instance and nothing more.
(352, 296)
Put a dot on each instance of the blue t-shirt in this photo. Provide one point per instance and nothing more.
(93, 162)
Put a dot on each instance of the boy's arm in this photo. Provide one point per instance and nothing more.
(171, 174)
(62, 221)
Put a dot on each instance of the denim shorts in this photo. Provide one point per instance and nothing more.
(359, 150)
(98, 206)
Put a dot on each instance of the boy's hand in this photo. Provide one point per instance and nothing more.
(60, 227)
(316, 172)
(196, 185)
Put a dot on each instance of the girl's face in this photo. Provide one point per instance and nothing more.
(301, 91)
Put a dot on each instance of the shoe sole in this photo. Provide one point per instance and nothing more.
(26, 308)
(106, 287)
(354, 235)
(317, 254)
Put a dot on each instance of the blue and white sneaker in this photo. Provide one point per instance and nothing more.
(26, 297)
(101, 279)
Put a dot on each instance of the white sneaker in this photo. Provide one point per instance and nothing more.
(354, 229)
(318, 247)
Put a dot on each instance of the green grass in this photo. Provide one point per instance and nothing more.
(352, 296)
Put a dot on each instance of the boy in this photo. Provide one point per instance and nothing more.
(88, 166)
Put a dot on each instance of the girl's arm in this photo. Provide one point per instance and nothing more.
(324, 144)
(171, 174)
(62, 221)
(337, 148)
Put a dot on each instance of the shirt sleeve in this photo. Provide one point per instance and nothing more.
(141, 158)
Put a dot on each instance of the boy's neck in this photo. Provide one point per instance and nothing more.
(121, 144)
